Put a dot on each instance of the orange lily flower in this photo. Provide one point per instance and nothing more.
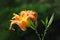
(22, 20)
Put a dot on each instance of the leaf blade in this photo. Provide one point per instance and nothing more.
(46, 20)
(51, 20)
(43, 22)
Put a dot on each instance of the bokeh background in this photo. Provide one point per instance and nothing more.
(44, 8)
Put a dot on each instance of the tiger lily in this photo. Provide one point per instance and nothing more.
(23, 19)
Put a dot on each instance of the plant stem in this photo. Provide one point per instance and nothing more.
(43, 38)
(38, 34)
(44, 33)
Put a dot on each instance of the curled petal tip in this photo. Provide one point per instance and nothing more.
(13, 17)
(14, 14)
(12, 29)
(11, 20)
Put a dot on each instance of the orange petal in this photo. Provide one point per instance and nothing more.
(12, 22)
(32, 17)
(22, 25)
(16, 17)
(33, 13)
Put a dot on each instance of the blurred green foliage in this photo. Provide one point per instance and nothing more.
(8, 7)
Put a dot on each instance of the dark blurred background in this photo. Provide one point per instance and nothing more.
(44, 8)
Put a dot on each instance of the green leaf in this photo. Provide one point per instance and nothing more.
(51, 20)
(32, 27)
(43, 22)
(46, 20)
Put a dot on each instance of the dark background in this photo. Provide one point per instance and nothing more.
(42, 7)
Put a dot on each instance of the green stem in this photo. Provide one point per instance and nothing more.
(43, 38)
(44, 33)
(38, 34)
(34, 27)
